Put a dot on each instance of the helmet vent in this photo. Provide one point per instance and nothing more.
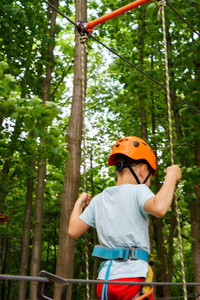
(136, 144)
(117, 145)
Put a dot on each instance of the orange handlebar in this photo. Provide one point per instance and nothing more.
(115, 13)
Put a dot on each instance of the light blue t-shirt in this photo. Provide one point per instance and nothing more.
(120, 220)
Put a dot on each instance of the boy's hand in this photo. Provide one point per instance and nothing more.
(175, 172)
(84, 199)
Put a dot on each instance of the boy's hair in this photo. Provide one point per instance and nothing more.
(124, 158)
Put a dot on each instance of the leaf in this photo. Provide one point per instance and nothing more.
(10, 77)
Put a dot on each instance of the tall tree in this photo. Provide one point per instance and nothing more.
(38, 216)
(26, 233)
(65, 261)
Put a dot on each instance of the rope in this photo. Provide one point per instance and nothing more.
(161, 5)
(83, 41)
(115, 13)
(124, 59)
(85, 281)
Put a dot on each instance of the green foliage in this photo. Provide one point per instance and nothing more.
(116, 93)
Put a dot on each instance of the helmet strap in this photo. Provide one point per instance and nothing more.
(147, 177)
(121, 165)
(133, 173)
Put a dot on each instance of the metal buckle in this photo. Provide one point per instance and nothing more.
(52, 278)
(131, 253)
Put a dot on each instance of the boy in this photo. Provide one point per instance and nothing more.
(120, 216)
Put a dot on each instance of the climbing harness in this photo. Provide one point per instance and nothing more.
(132, 253)
(161, 5)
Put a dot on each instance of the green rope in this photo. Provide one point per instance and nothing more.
(83, 40)
(161, 5)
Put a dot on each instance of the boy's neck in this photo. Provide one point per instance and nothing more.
(125, 180)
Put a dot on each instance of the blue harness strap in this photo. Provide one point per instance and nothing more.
(105, 286)
(120, 253)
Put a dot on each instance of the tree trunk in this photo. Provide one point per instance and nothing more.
(26, 235)
(38, 218)
(141, 29)
(195, 233)
(65, 261)
(195, 206)
(195, 223)
(4, 246)
(37, 229)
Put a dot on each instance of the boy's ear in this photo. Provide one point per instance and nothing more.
(143, 169)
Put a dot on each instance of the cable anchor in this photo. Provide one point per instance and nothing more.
(80, 26)
(52, 278)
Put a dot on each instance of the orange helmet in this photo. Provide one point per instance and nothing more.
(134, 148)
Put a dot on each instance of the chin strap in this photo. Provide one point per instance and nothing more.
(121, 165)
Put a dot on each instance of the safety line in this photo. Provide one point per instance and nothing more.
(124, 59)
(161, 5)
(84, 52)
(84, 281)
(115, 13)
(184, 20)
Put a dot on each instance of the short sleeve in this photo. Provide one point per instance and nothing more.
(144, 193)
(88, 215)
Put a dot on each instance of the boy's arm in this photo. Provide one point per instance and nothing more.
(76, 226)
(159, 205)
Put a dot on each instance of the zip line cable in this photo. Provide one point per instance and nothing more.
(145, 74)
(161, 5)
(58, 11)
(124, 59)
(186, 22)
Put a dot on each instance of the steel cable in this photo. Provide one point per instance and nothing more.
(85, 281)
(186, 22)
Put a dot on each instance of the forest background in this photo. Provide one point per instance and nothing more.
(41, 130)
